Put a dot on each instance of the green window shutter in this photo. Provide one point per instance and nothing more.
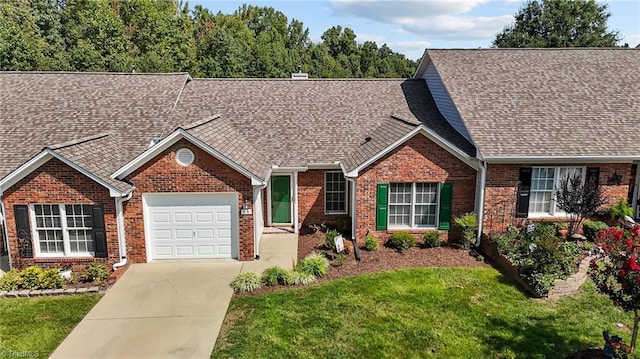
(446, 194)
(382, 206)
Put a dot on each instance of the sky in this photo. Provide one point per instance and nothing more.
(409, 27)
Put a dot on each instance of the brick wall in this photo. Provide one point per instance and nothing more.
(501, 192)
(164, 174)
(417, 160)
(56, 183)
(311, 198)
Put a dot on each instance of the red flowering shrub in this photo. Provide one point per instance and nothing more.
(616, 271)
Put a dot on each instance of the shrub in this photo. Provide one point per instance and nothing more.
(11, 280)
(431, 239)
(31, 277)
(96, 272)
(371, 243)
(274, 276)
(315, 264)
(401, 241)
(295, 278)
(541, 283)
(341, 259)
(620, 209)
(469, 225)
(246, 282)
(329, 237)
(591, 229)
(50, 279)
(543, 229)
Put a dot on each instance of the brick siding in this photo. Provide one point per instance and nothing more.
(417, 160)
(56, 183)
(311, 198)
(164, 174)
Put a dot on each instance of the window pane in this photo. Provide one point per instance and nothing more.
(335, 192)
(542, 188)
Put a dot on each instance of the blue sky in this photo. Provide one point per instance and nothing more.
(411, 26)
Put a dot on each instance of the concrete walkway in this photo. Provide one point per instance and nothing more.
(168, 309)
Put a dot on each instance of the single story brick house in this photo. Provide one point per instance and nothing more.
(141, 167)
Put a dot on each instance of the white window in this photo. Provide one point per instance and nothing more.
(335, 193)
(63, 230)
(413, 204)
(544, 182)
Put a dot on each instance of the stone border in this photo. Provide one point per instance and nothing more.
(570, 285)
(26, 293)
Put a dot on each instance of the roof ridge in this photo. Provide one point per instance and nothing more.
(201, 122)
(487, 49)
(94, 73)
(284, 79)
(79, 140)
(407, 121)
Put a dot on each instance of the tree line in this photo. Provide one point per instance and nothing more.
(168, 36)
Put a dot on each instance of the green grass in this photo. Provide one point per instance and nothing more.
(417, 313)
(36, 326)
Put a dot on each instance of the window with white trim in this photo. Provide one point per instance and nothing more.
(413, 205)
(544, 182)
(63, 229)
(335, 193)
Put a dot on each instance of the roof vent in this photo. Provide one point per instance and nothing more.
(299, 75)
(184, 156)
(154, 141)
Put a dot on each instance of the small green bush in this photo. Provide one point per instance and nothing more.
(31, 277)
(329, 237)
(295, 278)
(468, 222)
(371, 243)
(274, 276)
(543, 229)
(96, 272)
(50, 279)
(401, 241)
(11, 280)
(246, 282)
(432, 239)
(620, 209)
(591, 229)
(315, 264)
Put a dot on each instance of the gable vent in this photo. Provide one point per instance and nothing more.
(184, 156)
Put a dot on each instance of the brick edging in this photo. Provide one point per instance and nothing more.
(562, 287)
(26, 293)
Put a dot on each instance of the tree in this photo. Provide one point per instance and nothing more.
(578, 200)
(616, 271)
(21, 45)
(559, 23)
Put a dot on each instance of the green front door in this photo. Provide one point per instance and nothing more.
(281, 199)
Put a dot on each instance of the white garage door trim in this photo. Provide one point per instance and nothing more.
(167, 207)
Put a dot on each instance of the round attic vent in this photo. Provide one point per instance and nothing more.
(184, 156)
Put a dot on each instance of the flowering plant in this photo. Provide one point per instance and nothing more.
(64, 266)
(616, 271)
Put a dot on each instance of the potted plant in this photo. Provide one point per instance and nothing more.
(65, 270)
(562, 228)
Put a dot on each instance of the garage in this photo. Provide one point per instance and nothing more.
(191, 225)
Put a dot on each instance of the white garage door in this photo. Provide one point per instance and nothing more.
(181, 226)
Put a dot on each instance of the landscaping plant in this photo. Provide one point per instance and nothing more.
(315, 264)
(50, 279)
(371, 243)
(246, 282)
(468, 223)
(31, 277)
(295, 278)
(274, 275)
(620, 210)
(329, 237)
(431, 239)
(578, 200)
(11, 280)
(590, 229)
(616, 271)
(96, 272)
(401, 241)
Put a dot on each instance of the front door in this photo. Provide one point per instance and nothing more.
(281, 199)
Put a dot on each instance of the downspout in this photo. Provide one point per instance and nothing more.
(256, 238)
(122, 241)
(4, 229)
(482, 172)
(356, 251)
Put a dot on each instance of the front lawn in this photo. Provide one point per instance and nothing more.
(411, 313)
(34, 327)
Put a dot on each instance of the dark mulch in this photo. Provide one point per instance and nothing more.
(587, 354)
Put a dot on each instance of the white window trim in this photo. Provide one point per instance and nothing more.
(65, 233)
(556, 184)
(346, 196)
(412, 222)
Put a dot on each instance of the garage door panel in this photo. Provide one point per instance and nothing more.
(201, 230)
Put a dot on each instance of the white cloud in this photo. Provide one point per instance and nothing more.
(361, 38)
(632, 39)
(411, 49)
(436, 19)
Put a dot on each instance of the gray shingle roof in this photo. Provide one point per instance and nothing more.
(293, 123)
(39, 110)
(546, 102)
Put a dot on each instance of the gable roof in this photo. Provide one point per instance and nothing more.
(570, 103)
(293, 123)
(41, 109)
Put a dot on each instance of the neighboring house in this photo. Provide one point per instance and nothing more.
(141, 167)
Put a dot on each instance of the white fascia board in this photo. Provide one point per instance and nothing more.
(446, 145)
(323, 166)
(174, 137)
(41, 159)
(561, 159)
(289, 169)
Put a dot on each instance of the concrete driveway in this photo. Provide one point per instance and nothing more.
(168, 309)
(157, 310)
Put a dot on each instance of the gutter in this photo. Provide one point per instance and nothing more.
(482, 174)
(122, 240)
(352, 180)
(256, 240)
